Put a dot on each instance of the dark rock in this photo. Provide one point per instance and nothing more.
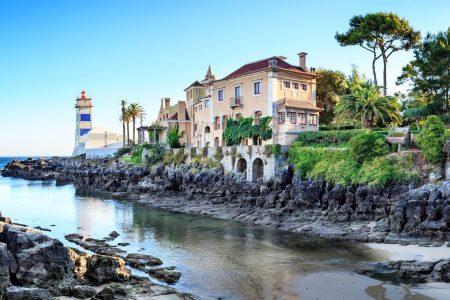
(123, 244)
(114, 234)
(141, 261)
(168, 276)
(83, 292)
(27, 293)
(103, 269)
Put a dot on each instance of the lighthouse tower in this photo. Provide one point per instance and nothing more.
(83, 121)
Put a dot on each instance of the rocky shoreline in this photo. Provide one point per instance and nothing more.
(394, 214)
(35, 266)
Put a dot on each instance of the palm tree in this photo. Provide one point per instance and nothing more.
(123, 104)
(125, 119)
(367, 106)
(135, 111)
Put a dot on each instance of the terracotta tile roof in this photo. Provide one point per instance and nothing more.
(297, 103)
(264, 64)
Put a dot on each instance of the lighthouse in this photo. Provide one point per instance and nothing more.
(83, 106)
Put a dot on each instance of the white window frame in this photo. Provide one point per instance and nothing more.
(218, 95)
(260, 87)
(207, 103)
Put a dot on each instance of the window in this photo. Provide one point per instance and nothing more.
(237, 91)
(292, 117)
(287, 84)
(295, 85)
(217, 123)
(220, 95)
(199, 108)
(195, 127)
(281, 117)
(304, 86)
(303, 119)
(207, 103)
(257, 88)
(207, 129)
(238, 116)
(313, 120)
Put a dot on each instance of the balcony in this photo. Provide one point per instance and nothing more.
(236, 102)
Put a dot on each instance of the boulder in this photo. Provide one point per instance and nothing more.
(103, 269)
(166, 275)
(27, 293)
(44, 265)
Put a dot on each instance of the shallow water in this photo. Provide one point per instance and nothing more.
(218, 258)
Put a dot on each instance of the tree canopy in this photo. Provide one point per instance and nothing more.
(382, 34)
(429, 72)
(330, 86)
(367, 107)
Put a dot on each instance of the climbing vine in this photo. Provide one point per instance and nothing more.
(243, 128)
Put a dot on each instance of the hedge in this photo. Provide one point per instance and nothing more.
(327, 138)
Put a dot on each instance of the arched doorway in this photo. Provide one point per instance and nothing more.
(242, 166)
(216, 142)
(257, 169)
(207, 129)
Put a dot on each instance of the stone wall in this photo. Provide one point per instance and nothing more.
(252, 161)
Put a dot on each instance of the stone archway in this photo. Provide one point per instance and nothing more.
(257, 169)
(242, 166)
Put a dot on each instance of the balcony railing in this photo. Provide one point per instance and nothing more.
(236, 102)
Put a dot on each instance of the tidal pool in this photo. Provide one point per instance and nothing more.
(217, 258)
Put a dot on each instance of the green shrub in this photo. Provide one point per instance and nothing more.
(338, 169)
(384, 170)
(367, 145)
(173, 137)
(305, 159)
(168, 157)
(327, 138)
(179, 157)
(155, 154)
(338, 166)
(431, 139)
(122, 151)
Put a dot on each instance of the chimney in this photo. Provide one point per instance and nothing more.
(302, 60)
(166, 103)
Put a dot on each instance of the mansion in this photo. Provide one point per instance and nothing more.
(268, 87)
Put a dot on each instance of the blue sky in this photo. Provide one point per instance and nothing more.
(146, 50)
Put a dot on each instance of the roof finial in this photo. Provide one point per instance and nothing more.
(209, 75)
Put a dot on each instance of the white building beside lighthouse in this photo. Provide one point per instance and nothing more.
(92, 142)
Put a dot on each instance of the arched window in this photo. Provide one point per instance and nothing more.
(207, 129)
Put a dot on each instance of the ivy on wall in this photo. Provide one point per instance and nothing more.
(237, 130)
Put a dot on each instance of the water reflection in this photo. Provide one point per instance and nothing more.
(217, 258)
